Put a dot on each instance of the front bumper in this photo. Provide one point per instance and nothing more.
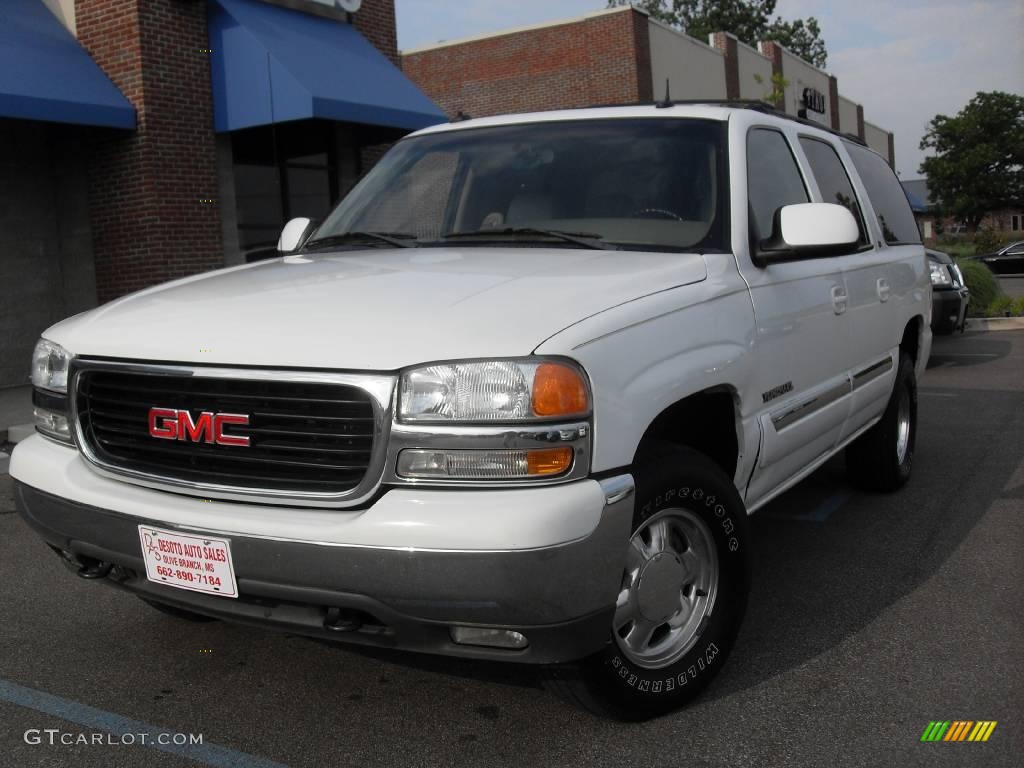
(559, 594)
(949, 308)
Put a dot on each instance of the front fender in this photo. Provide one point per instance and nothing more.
(646, 356)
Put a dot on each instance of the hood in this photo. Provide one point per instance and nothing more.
(373, 309)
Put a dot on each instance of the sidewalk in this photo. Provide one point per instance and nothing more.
(15, 411)
(986, 324)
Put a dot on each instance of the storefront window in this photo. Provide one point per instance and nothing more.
(282, 172)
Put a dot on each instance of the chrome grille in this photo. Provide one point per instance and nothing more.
(306, 438)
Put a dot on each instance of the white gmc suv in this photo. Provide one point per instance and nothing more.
(513, 399)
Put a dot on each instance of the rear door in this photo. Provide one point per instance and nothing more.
(882, 281)
(800, 343)
(870, 314)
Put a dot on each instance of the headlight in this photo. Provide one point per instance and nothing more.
(959, 275)
(495, 390)
(50, 366)
(940, 275)
(49, 394)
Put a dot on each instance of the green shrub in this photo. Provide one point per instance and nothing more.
(1018, 307)
(956, 248)
(982, 283)
(1001, 306)
(986, 241)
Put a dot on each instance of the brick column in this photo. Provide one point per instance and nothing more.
(153, 192)
(833, 101)
(646, 88)
(726, 43)
(860, 122)
(774, 52)
(376, 22)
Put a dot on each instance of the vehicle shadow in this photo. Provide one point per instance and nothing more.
(946, 352)
(829, 559)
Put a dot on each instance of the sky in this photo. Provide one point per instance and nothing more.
(904, 60)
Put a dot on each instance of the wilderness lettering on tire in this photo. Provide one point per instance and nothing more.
(683, 596)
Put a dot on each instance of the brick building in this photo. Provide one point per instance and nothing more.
(145, 140)
(620, 55)
(1006, 222)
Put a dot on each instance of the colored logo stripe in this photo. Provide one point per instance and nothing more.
(982, 730)
(935, 730)
(958, 730)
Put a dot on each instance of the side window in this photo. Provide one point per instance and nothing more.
(895, 218)
(832, 179)
(773, 179)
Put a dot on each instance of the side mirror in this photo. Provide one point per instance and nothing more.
(808, 230)
(295, 234)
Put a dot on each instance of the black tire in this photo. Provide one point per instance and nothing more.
(178, 613)
(873, 461)
(943, 328)
(609, 683)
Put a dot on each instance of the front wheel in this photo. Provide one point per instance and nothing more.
(683, 593)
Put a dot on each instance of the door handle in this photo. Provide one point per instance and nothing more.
(839, 299)
(883, 289)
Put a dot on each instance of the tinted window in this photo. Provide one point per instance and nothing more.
(773, 179)
(832, 180)
(639, 184)
(895, 218)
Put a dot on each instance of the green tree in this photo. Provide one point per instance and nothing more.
(750, 20)
(977, 160)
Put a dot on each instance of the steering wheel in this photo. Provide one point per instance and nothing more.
(658, 213)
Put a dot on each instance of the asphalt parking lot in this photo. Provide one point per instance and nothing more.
(870, 616)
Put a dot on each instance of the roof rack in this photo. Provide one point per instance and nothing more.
(755, 105)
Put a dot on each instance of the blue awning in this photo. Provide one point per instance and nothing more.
(915, 203)
(272, 64)
(46, 75)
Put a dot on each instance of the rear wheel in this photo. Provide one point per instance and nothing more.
(881, 459)
(683, 593)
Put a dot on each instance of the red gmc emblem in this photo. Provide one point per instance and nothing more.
(172, 424)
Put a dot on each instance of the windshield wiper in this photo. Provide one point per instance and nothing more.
(397, 239)
(586, 239)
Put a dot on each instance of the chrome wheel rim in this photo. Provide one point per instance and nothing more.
(903, 427)
(668, 590)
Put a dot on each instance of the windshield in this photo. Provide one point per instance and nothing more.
(641, 184)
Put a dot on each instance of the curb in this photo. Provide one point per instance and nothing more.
(983, 324)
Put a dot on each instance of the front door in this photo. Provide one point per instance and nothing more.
(800, 347)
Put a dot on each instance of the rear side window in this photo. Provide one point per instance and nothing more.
(887, 196)
(832, 179)
(773, 179)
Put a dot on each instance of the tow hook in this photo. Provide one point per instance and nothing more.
(86, 567)
(340, 620)
(95, 569)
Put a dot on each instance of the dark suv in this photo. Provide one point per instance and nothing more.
(950, 295)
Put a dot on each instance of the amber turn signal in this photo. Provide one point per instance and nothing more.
(548, 461)
(559, 390)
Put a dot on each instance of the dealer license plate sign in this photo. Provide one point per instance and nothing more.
(198, 563)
